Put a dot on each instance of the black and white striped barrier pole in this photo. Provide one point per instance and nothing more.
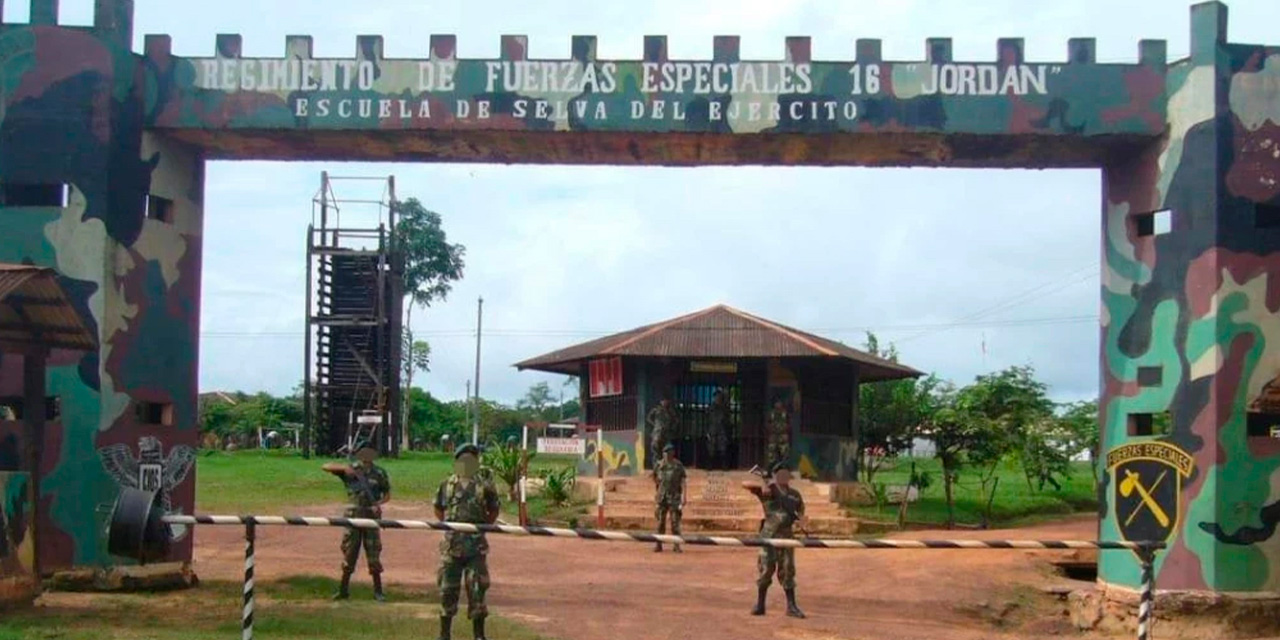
(139, 529)
(1146, 602)
(246, 616)
(628, 536)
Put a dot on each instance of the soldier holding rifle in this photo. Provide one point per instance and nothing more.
(783, 507)
(368, 488)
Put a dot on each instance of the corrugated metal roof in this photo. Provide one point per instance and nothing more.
(35, 312)
(717, 332)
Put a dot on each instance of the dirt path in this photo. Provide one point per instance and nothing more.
(587, 590)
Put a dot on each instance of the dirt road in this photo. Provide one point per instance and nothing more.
(588, 590)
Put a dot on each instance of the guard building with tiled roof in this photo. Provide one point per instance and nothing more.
(754, 361)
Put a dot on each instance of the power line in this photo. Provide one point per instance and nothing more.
(1018, 299)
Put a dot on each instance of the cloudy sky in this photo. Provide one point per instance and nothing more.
(938, 261)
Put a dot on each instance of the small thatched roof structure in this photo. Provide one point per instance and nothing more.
(35, 312)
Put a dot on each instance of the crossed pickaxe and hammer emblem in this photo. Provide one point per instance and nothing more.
(1133, 483)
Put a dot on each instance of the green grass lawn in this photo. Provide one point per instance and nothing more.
(1014, 504)
(294, 608)
(274, 483)
(280, 482)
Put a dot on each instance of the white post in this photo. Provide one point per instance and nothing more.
(475, 425)
(600, 476)
(524, 472)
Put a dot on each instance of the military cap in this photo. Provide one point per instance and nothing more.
(363, 444)
(779, 466)
(466, 448)
(669, 447)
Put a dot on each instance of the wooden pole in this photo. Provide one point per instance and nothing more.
(33, 414)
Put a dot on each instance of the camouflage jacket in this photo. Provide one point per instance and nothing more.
(470, 503)
(719, 418)
(367, 487)
(781, 510)
(779, 426)
(669, 478)
(663, 420)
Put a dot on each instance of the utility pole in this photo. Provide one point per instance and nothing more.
(467, 405)
(475, 415)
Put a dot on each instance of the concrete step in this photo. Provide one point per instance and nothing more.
(831, 527)
(747, 508)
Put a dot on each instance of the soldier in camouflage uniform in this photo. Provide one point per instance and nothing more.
(670, 481)
(779, 435)
(662, 421)
(718, 430)
(467, 496)
(783, 507)
(368, 488)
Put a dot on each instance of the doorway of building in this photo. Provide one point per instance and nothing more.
(693, 396)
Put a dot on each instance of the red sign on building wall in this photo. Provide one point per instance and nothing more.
(605, 377)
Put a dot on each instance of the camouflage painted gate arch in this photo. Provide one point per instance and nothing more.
(1190, 317)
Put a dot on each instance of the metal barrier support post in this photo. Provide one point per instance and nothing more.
(1146, 605)
(246, 620)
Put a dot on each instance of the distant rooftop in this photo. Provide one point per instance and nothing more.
(717, 332)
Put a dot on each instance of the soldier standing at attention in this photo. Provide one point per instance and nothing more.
(464, 497)
(779, 435)
(661, 420)
(670, 481)
(783, 507)
(718, 431)
(368, 488)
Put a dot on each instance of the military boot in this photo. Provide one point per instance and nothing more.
(377, 588)
(344, 589)
(760, 596)
(792, 609)
(477, 628)
(658, 548)
(446, 628)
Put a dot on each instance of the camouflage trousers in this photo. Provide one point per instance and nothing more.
(657, 441)
(454, 570)
(352, 540)
(665, 508)
(772, 561)
(718, 442)
(779, 451)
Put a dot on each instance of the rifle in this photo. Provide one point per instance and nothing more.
(362, 485)
(755, 470)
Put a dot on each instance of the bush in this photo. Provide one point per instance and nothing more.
(504, 464)
(557, 485)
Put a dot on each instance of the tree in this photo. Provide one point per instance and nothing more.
(572, 407)
(536, 401)
(1020, 409)
(889, 413)
(432, 418)
(1080, 421)
(431, 264)
(951, 427)
(415, 355)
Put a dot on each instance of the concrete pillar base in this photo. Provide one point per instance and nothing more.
(18, 591)
(1187, 615)
(152, 577)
